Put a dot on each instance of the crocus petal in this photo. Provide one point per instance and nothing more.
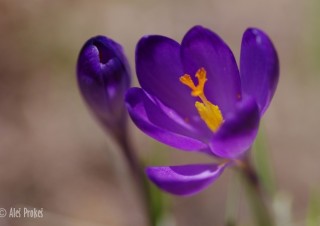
(186, 179)
(159, 68)
(157, 122)
(202, 48)
(259, 67)
(104, 76)
(238, 132)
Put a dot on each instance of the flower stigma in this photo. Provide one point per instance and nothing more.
(208, 112)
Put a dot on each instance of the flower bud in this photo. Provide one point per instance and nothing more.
(103, 77)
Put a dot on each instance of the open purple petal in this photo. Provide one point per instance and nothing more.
(160, 123)
(238, 132)
(159, 68)
(202, 48)
(184, 180)
(259, 67)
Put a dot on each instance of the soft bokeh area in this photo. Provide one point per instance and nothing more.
(53, 154)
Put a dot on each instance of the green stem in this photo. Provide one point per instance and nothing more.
(255, 192)
(232, 202)
(137, 171)
(136, 168)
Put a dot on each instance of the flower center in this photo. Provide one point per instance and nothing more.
(208, 112)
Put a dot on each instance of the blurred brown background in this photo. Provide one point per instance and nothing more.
(53, 155)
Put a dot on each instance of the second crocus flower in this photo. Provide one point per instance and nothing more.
(104, 76)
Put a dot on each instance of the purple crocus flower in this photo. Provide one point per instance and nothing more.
(194, 98)
(104, 76)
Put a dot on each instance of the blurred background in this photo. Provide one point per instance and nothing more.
(53, 154)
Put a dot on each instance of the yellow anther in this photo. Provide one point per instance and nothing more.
(211, 114)
(208, 112)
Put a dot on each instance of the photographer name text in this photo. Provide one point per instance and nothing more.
(20, 212)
